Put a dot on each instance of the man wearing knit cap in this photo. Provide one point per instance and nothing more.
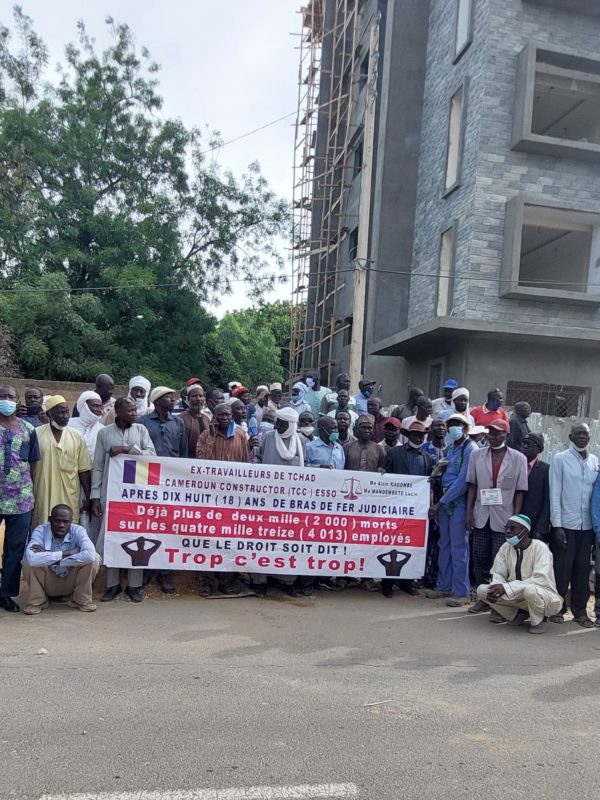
(536, 504)
(460, 404)
(166, 430)
(522, 584)
(64, 467)
(444, 403)
(275, 395)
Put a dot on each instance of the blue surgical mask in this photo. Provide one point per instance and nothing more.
(513, 541)
(494, 404)
(455, 432)
(310, 382)
(334, 436)
(267, 426)
(367, 393)
(7, 408)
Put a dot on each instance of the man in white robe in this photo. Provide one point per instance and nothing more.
(522, 585)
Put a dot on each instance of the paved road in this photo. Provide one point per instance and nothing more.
(387, 699)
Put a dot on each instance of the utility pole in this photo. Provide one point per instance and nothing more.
(361, 261)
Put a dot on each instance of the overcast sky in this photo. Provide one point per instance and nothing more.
(231, 64)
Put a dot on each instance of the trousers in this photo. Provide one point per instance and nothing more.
(537, 601)
(572, 566)
(453, 556)
(486, 544)
(135, 577)
(16, 531)
(43, 583)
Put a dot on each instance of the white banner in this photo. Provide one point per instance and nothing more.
(176, 513)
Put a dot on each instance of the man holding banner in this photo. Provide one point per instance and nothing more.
(124, 437)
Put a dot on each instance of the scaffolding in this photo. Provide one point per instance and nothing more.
(323, 170)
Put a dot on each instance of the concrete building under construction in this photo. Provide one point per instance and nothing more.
(447, 197)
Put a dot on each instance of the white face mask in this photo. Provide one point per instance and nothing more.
(415, 446)
(580, 449)
(307, 430)
(499, 447)
(56, 425)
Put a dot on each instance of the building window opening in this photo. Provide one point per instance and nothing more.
(455, 133)
(566, 103)
(556, 249)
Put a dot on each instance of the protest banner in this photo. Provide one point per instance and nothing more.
(175, 513)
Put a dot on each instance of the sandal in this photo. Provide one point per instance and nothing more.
(584, 621)
(557, 618)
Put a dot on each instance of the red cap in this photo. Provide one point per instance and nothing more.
(392, 421)
(192, 381)
(239, 390)
(499, 425)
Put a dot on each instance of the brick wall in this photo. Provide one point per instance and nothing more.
(491, 172)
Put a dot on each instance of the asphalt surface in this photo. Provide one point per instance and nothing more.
(400, 698)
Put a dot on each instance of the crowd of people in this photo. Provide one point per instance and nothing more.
(509, 534)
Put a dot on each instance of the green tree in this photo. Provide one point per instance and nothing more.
(114, 225)
(243, 349)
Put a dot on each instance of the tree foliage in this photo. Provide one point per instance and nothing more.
(114, 224)
(251, 346)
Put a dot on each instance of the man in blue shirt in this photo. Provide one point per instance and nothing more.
(325, 451)
(166, 430)
(362, 398)
(453, 578)
(60, 560)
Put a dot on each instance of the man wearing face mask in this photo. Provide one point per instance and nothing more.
(306, 427)
(65, 465)
(315, 392)
(326, 451)
(573, 474)
(453, 577)
(410, 458)
(522, 585)
(497, 478)
(361, 399)
(490, 411)
(19, 446)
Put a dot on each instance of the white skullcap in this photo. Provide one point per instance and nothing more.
(460, 393)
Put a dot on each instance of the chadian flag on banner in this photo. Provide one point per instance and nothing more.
(143, 473)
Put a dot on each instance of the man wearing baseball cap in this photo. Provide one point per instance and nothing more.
(444, 403)
(497, 478)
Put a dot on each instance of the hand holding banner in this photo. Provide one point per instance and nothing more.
(171, 513)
